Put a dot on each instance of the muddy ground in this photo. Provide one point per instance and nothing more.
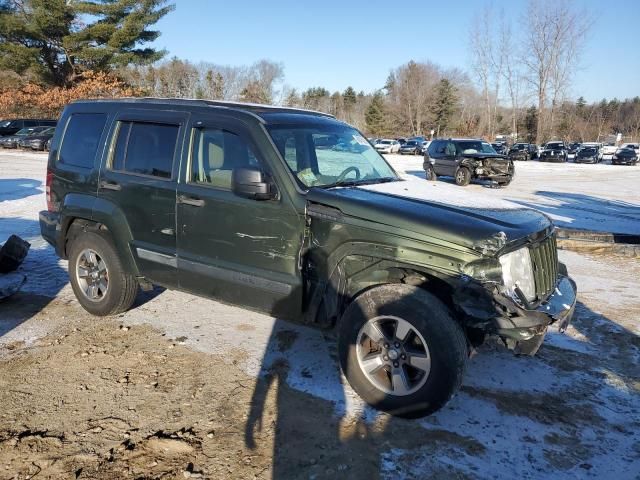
(122, 398)
(184, 387)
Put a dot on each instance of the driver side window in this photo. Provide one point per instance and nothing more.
(450, 149)
(215, 153)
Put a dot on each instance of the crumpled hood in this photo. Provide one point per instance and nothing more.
(438, 210)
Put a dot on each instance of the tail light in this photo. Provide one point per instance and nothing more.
(50, 203)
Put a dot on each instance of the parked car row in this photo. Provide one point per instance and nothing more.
(403, 146)
(32, 138)
(33, 134)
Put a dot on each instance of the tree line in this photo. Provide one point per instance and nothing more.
(518, 84)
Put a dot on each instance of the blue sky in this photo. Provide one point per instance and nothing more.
(334, 43)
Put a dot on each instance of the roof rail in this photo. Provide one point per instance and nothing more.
(247, 107)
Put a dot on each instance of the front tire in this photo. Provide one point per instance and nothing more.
(463, 177)
(98, 279)
(401, 350)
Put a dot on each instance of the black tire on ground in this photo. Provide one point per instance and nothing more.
(445, 339)
(430, 173)
(122, 287)
(463, 176)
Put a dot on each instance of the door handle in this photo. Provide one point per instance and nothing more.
(110, 185)
(194, 202)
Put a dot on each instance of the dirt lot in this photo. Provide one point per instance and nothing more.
(183, 387)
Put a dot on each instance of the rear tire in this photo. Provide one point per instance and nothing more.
(426, 352)
(98, 279)
(430, 173)
(463, 176)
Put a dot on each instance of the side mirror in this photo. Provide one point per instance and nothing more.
(251, 183)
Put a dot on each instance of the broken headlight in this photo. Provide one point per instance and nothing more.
(517, 274)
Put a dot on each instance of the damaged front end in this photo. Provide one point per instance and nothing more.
(499, 300)
(492, 168)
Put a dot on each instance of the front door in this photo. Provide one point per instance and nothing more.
(239, 250)
(140, 179)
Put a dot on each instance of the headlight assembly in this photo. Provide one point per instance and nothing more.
(517, 274)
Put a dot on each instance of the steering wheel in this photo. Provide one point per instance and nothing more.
(346, 172)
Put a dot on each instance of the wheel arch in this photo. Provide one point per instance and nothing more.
(354, 274)
(82, 213)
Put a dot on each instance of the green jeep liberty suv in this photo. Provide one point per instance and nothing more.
(294, 213)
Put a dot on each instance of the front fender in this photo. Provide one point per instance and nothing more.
(355, 266)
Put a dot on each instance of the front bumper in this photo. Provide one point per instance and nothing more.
(552, 158)
(488, 309)
(523, 324)
(624, 161)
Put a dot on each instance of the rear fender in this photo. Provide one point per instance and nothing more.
(86, 212)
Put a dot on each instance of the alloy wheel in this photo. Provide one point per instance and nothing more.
(92, 275)
(393, 355)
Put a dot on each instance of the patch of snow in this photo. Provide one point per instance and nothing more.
(439, 192)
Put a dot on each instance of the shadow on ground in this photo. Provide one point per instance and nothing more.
(17, 188)
(562, 409)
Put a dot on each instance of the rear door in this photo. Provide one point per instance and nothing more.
(140, 178)
(236, 249)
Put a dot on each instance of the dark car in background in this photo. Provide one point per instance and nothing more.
(573, 148)
(13, 126)
(11, 141)
(38, 140)
(500, 147)
(554, 152)
(411, 147)
(467, 159)
(523, 151)
(625, 156)
(589, 154)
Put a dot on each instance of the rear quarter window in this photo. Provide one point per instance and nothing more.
(81, 139)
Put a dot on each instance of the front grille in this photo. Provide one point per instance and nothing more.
(544, 256)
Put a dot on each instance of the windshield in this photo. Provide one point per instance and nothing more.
(474, 146)
(386, 142)
(49, 131)
(410, 143)
(326, 155)
(587, 151)
(25, 131)
(5, 123)
(519, 146)
(554, 146)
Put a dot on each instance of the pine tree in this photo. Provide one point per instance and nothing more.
(444, 105)
(57, 40)
(349, 98)
(374, 117)
(531, 123)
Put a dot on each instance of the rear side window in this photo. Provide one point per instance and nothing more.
(81, 139)
(144, 148)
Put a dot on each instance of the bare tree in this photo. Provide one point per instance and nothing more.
(554, 39)
(410, 89)
(489, 61)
